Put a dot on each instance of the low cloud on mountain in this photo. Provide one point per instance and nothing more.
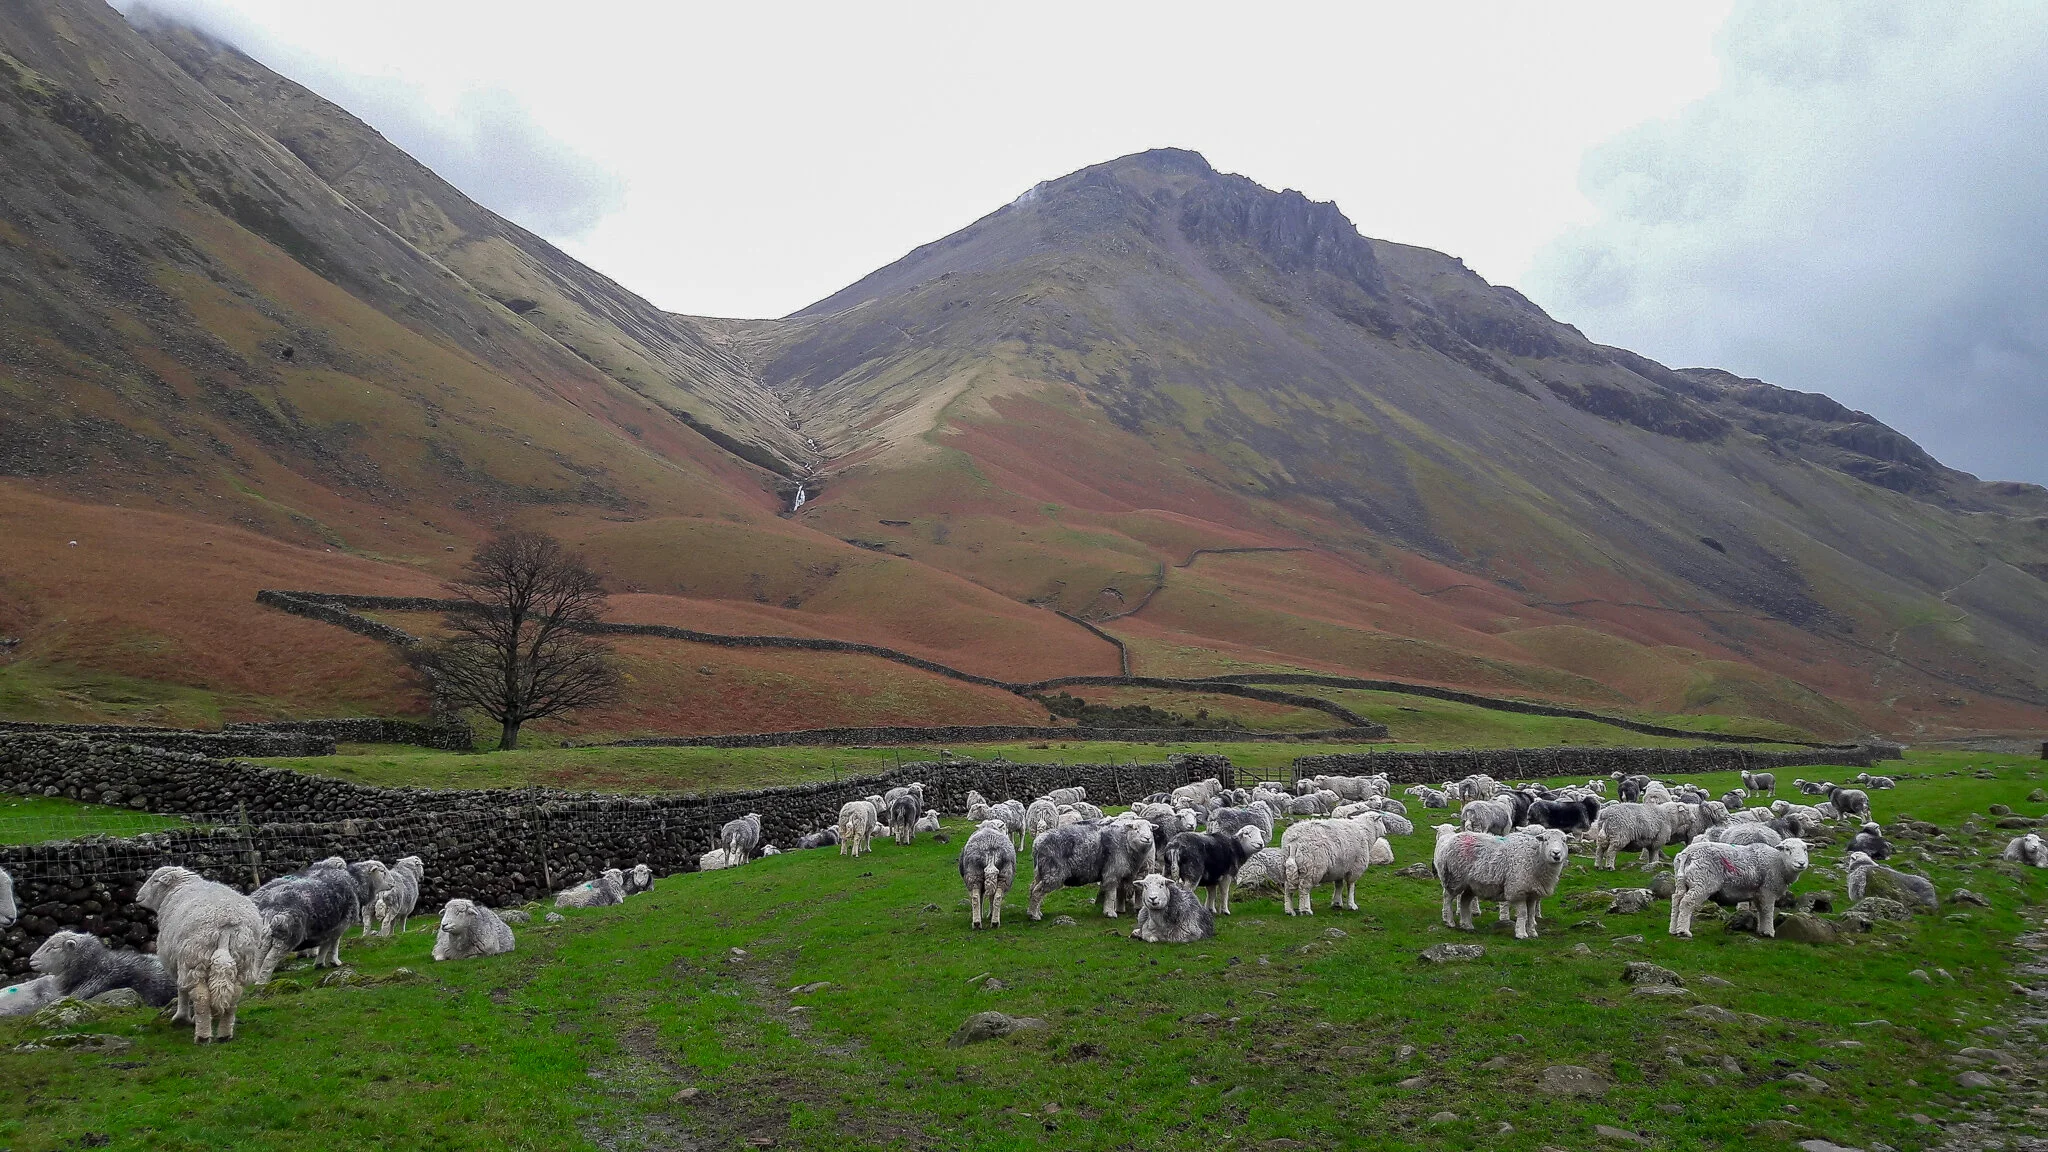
(1856, 210)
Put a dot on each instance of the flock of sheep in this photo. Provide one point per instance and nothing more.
(1510, 847)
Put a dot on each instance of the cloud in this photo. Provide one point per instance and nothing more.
(1858, 209)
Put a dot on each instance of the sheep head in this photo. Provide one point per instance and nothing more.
(162, 883)
(61, 953)
(1794, 852)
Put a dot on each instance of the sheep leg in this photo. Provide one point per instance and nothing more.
(1035, 907)
(974, 898)
(1351, 893)
(1682, 913)
(1766, 914)
(995, 912)
(1225, 886)
(1109, 890)
(1450, 916)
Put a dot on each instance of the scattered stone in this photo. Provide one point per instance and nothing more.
(1572, 1080)
(1443, 1117)
(78, 1042)
(1814, 902)
(1976, 1079)
(395, 976)
(1999, 810)
(1064, 921)
(1620, 1135)
(1921, 975)
(1714, 982)
(990, 1026)
(68, 1014)
(516, 916)
(1825, 1146)
(1712, 1013)
(686, 1095)
(815, 986)
(1629, 901)
(1740, 920)
(1965, 896)
(1404, 1053)
(1417, 871)
(1582, 949)
(2038, 796)
(1412, 1083)
(1334, 934)
(1201, 1019)
(1804, 928)
(1498, 1063)
(1662, 885)
(1446, 953)
(1618, 941)
(1660, 990)
(1671, 1109)
(1588, 926)
(341, 977)
(1644, 972)
(555, 918)
(1872, 909)
(2017, 822)
(992, 984)
(1804, 1080)
(118, 998)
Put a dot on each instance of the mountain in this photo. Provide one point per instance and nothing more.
(1212, 417)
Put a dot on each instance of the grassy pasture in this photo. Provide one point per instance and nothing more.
(34, 819)
(585, 1036)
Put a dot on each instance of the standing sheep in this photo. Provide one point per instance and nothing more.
(1496, 817)
(210, 939)
(84, 968)
(857, 822)
(1210, 860)
(1728, 874)
(1627, 827)
(607, 889)
(1113, 854)
(1517, 870)
(1850, 802)
(310, 910)
(469, 929)
(2030, 850)
(1760, 783)
(740, 837)
(1314, 851)
(1565, 815)
(1011, 813)
(1043, 816)
(905, 809)
(1229, 820)
(401, 895)
(988, 866)
(1169, 913)
(371, 877)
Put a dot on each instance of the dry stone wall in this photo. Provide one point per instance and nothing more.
(1535, 763)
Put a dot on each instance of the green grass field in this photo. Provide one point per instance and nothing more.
(34, 819)
(1279, 1029)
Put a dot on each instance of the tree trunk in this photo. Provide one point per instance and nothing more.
(510, 739)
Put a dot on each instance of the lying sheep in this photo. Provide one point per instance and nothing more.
(1850, 802)
(1913, 891)
(1169, 913)
(401, 895)
(1112, 854)
(469, 930)
(1760, 783)
(210, 939)
(1265, 871)
(1074, 795)
(1870, 841)
(1210, 860)
(1728, 874)
(1431, 798)
(823, 838)
(740, 837)
(8, 912)
(1395, 824)
(977, 806)
(1880, 782)
(310, 910)
(1087, 811)
(713, 861)
(30, 996)
(84, 968)
(1626, 827)
(1811, 788)
(857, 822)
(929, 822)
(1733, 798)
(2030, 850)
(1496, 817)
(1317, 851)
(1517, 870)
(607, 889)
(639, 878)
(988, 866)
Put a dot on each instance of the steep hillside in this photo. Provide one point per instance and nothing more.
(244, 340)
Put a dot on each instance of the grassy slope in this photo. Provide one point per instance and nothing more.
(583, 1037)
(34, 819)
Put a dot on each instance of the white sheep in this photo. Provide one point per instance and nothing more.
(1198, 794)
(1496, 817)
(1074, 795)
(988, 866)
(469, 929)
(30, 996)
(1624, 827)
(714, 861)
(607, 889)
(1041, 817)
(211, 941)
(639, 878)
(1265, 869)
(8, 912)
(400, 895)
(740, 837)
(858, 820)
(2030, 850)
(1170, 914)
(1518, 870)
(1011, 813)
(1731, 873)
(1315, 851)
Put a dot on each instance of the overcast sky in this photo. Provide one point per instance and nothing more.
(1835, 202)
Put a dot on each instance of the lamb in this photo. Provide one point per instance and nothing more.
(1870, 841)
(395, 904)
(1810, 788)
(1760, 783)
(1597, 786)
(1074, 795)
(1880, 782)
(1564, 815)
(1170, 914)
(8, 912)
(371, 877)
(1197, 794)
(823, 838)
(1912, 891)
(1493, 816)
(1043, 816)
(30, 996)
(2030, 850)
(1431, 798)
(210, 939)
(1745, 833)
(1631, 791)
(1337, 851)
(1850, 801)
(988, 866)
(84, 968)
(1517, 870)
(1733, 798)
(309, 910)
(1731, 873)
(1210, 860)
(607, 889)
(1626, 827)
(977, 806)
(1112, 853)
(1229, 820)
(857, 822)
(740, 837)
(469, 930)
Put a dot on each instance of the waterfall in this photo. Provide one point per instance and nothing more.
(800, 498)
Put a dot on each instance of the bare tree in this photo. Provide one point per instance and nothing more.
(515, 650)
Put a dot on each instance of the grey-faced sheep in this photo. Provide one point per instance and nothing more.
(1264, 872)
(1626, 827)
(905, 810)
(1088, 811)
(310, 910)
(401, 895)
(1631, 789)
(469, 929)
(1210, 860)
(639, 878)
(977, 806)
(371, 877)
(1317, 851)
(1910, 890)
(1197, 794)
(1731, 873)
(1850, 802)
(1496, 817)
(607, 889)
(1112, 853)
(2030, 850)
(1810, 788)
(1041, 817)
(740, 837)
(1517, 870)
(988, 866)
(1760, 783)
(823, 838)
(1395, 824)
(1870, 841)
(1169, 913)
(1733, 798)
(1880, 783)
(85, 968)
(857, 822)
(1073, 795)
(1229, 820)
(210, 939)
(8, 912)
(1745, 832)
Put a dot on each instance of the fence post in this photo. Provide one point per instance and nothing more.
(547, 876)
(249, 844)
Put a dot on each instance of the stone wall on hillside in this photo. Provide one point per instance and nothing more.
(1534, 763)
(236, 740)
(447, 734)
(989, 733)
